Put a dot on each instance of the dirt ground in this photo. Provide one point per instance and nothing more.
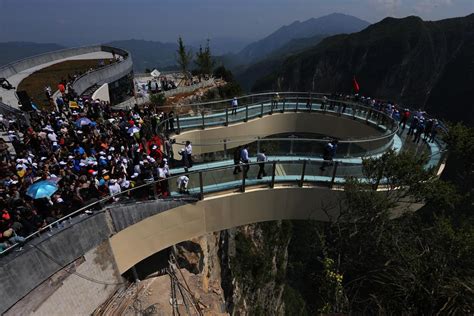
(153, 296)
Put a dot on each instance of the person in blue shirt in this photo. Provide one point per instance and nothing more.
(79, 150)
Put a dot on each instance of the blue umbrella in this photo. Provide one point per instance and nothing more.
(42, 189)
(83, 121)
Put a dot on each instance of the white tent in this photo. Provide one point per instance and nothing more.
(155, 73)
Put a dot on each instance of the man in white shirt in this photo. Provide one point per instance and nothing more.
(52, 136)
(187, 152)
(182, 183)
(114, 189)
(244, 156)
(162, 173)
(234, 104)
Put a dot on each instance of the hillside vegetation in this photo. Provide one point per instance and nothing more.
(419, 63)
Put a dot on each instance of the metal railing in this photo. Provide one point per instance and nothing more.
(218, 179)
(111, 72)
(220, 113)
(222, 149)
(298, 171)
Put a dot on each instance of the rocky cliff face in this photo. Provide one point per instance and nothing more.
(247, 264)
(240, 271)
(255, 257)
(425, 64)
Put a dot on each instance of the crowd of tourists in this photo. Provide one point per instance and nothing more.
(420, 127)
(88, 152)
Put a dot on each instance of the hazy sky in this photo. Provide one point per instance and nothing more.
(93, 21)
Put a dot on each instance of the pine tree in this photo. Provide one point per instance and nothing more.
(183, 58)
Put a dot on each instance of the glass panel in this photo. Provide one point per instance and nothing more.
(348, 170)
(214, 118)
(222, 179)
(238, 115)
(254, 110)
(318, 171)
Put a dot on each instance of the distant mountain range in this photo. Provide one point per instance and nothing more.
(149, 54)
(420, 63)
(223, 45)
(335, 23)
(12, 51)
(248, 74)
(233, 52)
(262, 57)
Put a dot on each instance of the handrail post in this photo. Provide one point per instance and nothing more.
(153, 187)
(348, 150)
(246, 112)
(226, 116)
(303, 173)
(201, 186)
(202, 115)
(225, 148)
(310, 102)
(244, 176)
(178, 130)
(334, 173)
(271, 106)
(297, 102)
(272, 184)
(261, 110)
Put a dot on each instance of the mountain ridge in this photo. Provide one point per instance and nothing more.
(15, 50)
(423, 63)
(331, 24)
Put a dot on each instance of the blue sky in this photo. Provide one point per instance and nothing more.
(93, 21)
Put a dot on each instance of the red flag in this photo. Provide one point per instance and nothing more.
(355, 84)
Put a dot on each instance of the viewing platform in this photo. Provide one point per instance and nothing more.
(138, 222)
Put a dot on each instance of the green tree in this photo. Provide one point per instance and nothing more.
(387, 258)
(204, 60)
(158, 99)
(394, 260)
(183, 57)
(224, 74)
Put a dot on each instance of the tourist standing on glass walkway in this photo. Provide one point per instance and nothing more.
(261, 159)
(237, 152)
(187, 152)
(244, 156)
(405, 115)
(275, 101)
(234, 105)
(329, 153)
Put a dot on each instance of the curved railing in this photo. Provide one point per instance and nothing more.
(106, 74)
(223, 149)
(201, 182)
(297, 170)
(219, 113)
(17, 66)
